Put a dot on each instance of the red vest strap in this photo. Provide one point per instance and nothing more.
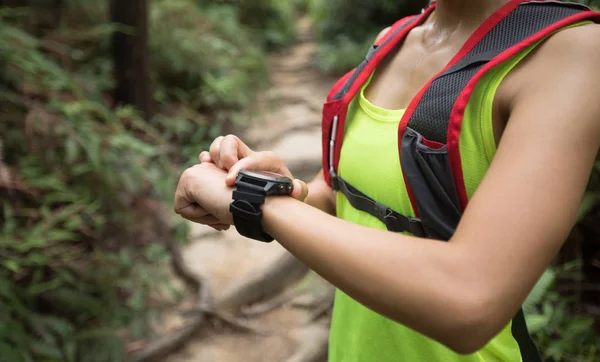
(390, 33)
(474, 51)
(334, 111)
(338, 85)
(458, 111)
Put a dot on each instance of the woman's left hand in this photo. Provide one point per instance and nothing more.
(203, 197)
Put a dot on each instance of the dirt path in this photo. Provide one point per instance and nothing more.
(289, 124)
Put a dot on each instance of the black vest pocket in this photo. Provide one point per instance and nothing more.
(427, 172)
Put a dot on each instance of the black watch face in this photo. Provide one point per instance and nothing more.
(270, 183)
(266, 175)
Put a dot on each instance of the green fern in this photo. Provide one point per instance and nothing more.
(73, 274)
(539, 292)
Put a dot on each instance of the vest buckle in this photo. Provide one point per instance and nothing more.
(335, 183)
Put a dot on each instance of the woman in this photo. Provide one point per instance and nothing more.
(528, 136)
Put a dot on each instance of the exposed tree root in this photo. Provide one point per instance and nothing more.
(223, 319)
(264, 284)
(203, 313)
(160, 348)
(322, 310)
(312, 351)
(270, 305)
(315, 337)
(166, 344)
(310, 296)
(315, 300)
(313, 345)
(267, 282)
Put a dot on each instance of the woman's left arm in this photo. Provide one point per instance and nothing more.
(464, 292)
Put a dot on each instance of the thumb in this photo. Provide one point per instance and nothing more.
(266, 161)
(300, 191)
(247, 163)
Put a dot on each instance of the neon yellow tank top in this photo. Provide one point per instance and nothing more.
(369, 161)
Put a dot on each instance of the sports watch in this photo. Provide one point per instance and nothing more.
(252, 187)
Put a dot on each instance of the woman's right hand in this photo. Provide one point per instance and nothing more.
(233, 155)
(225, 151)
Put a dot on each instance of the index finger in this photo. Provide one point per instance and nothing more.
(215, 151)
(232, 151)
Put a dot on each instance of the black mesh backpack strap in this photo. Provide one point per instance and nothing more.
(430, 120)
(428, 160)
(432, 114)
(393, 36)
(393, 220)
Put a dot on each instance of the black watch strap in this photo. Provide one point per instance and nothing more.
(247, 215)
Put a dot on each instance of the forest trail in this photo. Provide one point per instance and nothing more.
(287, 122)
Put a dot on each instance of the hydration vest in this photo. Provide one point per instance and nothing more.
(429, 131)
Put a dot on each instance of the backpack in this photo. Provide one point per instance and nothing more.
(429, 132)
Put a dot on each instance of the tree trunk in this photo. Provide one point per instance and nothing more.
(590, 253)
(131, 56)
(14, 3)
(47, 15)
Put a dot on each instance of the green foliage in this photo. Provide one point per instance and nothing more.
(346, 28)
(358, 19)
(209, 62)
(204, 57)
(81, 253)
(561, 332)
(592, 196)
(207, 68)
(78, 169)
(592, 3)
(342, 54)
(271, 21)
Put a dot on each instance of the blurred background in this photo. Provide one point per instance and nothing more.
(102, 106)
